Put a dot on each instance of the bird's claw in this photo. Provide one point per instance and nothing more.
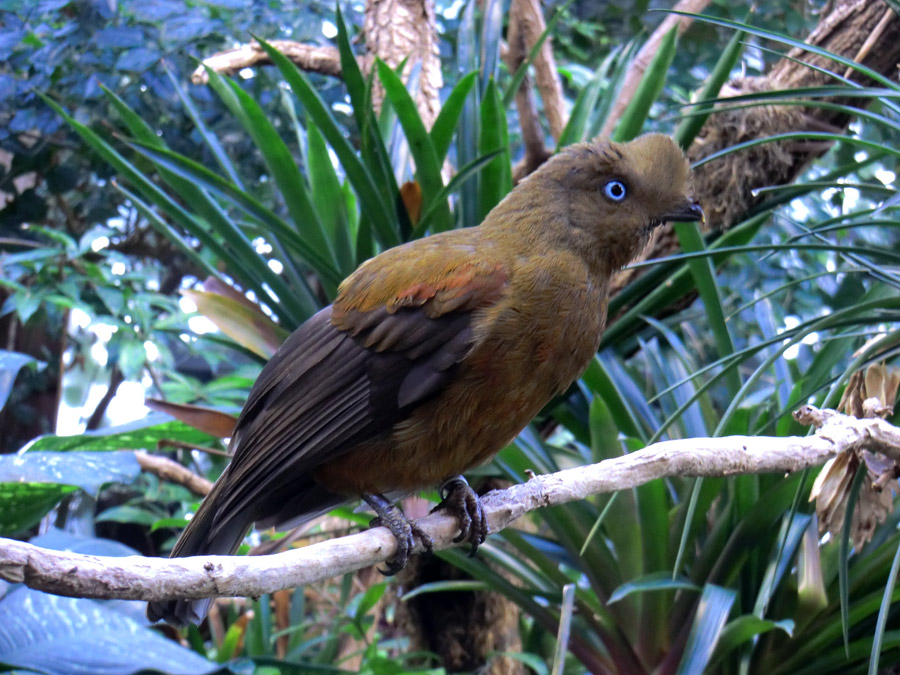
(461, 500)
(404, 531)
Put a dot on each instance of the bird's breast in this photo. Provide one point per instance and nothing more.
(528, 347)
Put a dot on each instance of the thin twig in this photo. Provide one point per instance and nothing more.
(174, 472)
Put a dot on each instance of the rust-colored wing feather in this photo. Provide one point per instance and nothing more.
(389, 343)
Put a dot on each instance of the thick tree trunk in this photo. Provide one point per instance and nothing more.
(406, 29)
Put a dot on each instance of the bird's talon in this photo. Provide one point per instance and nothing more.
(462, 501)
(404, 531)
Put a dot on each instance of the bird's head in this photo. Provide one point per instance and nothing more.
(612, 195)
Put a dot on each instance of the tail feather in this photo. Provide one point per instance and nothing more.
(214, 532)
(197, 540)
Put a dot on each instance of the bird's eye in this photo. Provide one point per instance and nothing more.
(615, 190)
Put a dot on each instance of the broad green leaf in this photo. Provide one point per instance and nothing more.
(144, 434)
(22, 505)
(126, 513)
(86, 470)
(328, 200)
(496, 177)
(71, 636)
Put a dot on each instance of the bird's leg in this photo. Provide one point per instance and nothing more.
(404, 531)
(461, 500)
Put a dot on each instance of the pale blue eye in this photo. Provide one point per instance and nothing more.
(615, 190)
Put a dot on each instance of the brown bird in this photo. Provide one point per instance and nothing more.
(437, 353)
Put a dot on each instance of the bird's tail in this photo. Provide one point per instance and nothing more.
(198, 539)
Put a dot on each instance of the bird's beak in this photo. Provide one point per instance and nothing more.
(690, 211)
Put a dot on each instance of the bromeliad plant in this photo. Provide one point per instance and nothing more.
(677, 575)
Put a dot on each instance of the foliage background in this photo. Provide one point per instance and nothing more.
(84, 269)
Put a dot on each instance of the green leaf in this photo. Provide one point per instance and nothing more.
(689, 128)
(209, 138)
(328, 200)
(744, 629)
(143, 434)
(279, 161)
(467, 133)
(428, 165)
(712, 612)
(458, 181)
(883, 612)
(132, 357)
(87, 470)
(445, 586)
(648, 90)
(690, 239)
(10, 365)
(445, 124)
(576, 128)
(200, 202)
(127, 513)
(197, 173)
(359, 176)
(55, 634)
(656, 581)
(496, 177)
(22, 505)
(244, 264)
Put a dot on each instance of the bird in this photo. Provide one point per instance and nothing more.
(436, 353)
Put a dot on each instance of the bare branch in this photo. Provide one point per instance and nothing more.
(312, 58)
(173, 472)
(140, 578)
(526, 27)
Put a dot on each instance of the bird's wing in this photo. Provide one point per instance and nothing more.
(389, 343)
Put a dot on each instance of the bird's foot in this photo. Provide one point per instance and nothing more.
(462, 501)
(405, 532)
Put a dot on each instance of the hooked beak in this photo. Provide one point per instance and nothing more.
(691, 211)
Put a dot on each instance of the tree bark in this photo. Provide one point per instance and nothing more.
(406, 29)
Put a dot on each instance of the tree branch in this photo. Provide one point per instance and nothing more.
(312, 58)
(173, 472)
(139, 578)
